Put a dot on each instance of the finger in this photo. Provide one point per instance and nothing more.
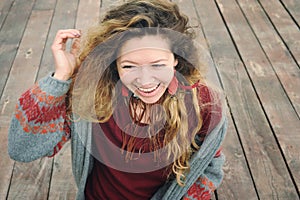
(70, 31)
(62, 36)
(75, 46)
(73, 31)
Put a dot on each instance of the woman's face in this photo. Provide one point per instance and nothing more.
(146, 67)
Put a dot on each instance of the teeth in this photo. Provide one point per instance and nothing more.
(148, 89)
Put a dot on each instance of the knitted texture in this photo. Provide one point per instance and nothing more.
(200, 190)
(40, 113)
(38, 127)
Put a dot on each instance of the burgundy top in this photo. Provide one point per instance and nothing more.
(115, 179)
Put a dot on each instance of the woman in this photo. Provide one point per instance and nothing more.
(132, 98)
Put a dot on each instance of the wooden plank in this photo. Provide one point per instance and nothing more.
(261, 149)
(10, 36)
(64, 18)
(62, 178)
(26, 181)
(5, 6)
(88, 14)
(44, 5)
(107, 4)
(282, 116)
(283, 64)
(277, 106)
(204, 52)
(237, 182)
(293, 7)
(288, 30)
(31, 180)
(6, 165)
(63, 185)
(236, 170)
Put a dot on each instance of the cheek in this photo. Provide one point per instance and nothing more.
(165, 76)
(126, 77)
(123, 76)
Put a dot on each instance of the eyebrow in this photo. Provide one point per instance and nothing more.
(156, 61)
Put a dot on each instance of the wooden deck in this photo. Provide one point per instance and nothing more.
(255, 46)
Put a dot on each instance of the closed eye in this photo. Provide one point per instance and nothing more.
(128, 66)
(158, 65)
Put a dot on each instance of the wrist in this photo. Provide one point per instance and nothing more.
(62, 77)
(53, 86)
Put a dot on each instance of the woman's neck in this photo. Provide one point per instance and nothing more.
(139, 112)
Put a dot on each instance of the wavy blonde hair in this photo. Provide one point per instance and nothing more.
(94, 61)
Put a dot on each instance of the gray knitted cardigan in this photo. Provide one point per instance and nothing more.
(25, 144)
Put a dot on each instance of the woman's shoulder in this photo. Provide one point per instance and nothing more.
(209, 94)
(211, 105)
(204, 93)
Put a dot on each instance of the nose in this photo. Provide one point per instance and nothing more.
(145, 76)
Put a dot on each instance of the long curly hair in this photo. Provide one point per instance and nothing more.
(97, 58)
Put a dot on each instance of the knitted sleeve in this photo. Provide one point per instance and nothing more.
(38, 126)
(209, 181)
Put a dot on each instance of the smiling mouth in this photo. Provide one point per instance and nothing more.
(149, 90)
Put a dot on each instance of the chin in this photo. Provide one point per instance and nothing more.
(151, 100)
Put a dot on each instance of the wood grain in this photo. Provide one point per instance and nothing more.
(280, 58)
(267, 88)
(27, 180)
(64, 18)
(278, 55)
(293, 7)
(11, 35)
(284, 24)
(252, 125)
(44, 5)
(5, 6)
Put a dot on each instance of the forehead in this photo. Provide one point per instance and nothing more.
(143, 43)
(145, 56)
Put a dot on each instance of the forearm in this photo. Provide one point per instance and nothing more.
(39, 121)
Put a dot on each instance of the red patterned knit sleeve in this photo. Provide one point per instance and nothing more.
(66, 136)
(38, 113)
(202, 189)
(39, 127)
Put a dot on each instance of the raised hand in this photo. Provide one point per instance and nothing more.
(65, 61)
